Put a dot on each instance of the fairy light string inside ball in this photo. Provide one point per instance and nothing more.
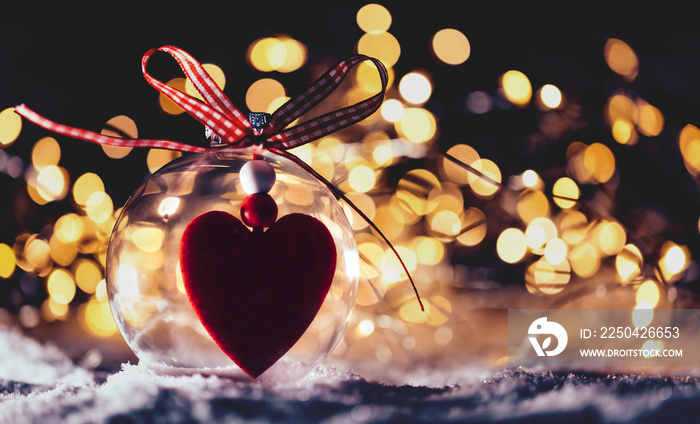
(257, 276)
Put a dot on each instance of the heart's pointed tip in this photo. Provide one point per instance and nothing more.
(254, 374)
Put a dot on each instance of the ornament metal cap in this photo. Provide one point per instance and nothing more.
(258, 120)
(214, 140)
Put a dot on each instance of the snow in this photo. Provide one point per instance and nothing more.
(39, 383)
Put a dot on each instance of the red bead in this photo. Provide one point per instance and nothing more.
(259, 210)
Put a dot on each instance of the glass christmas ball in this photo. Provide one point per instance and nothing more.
(144, 277)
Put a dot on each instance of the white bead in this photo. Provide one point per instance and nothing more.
(257, 176)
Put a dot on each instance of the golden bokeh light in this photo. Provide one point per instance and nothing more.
(532, 204)
(382, 46)
(52, 183)
(621, 58)
(46, 152)
(264, 54)
(415, 88)
(451, 46)
(263, 93)
(148, 239)
(410, 312)
(61, 286)
(555, 251)
(120, 126)
(445, 196)
(63, 253)
(429, 251)
(584, 260)
(168, 206)
(414, 189)
(573, 226)
(37, 253)
(651, 120)
(599, 162)
(373, 18)
(452, 170)
(689, 143)
(511, 245)
(531, 179)
(517, 88)
(69, 228)
(487, 182)
(590, 164)
(539, 232)
(157, 158)
(550, 96)
(609, 237)
(437, 311)
(392, 110)
(365, 327)
(446, 223)
(474, 227)
(96, 317)
(52, 310)
(417, 125)
(280, 53)
(629, 263)
(547, 278)
(392, 270)
(673, 261)
(296, 55)
(624, 132)
(88, 274)
(168, 106)
(7, 261)
(565, 193)
(10, 127)
(619, 106)
(85, 186)
(362, 179)
(648, 292)
(536, 236)
(99, 207)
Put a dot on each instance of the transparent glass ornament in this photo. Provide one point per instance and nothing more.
(144, 281)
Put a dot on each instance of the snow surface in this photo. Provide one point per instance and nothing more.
(39, 383)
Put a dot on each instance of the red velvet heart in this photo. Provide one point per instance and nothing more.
(256, 292)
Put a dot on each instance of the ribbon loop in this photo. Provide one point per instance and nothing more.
(218, 113)
(317, 92)
(222, 118)
(203, 83)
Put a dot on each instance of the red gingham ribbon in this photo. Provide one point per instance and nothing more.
(219, 114)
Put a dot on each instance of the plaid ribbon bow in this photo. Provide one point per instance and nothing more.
(219, 114)
(221, 117)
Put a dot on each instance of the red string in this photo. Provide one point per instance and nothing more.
(219, 114)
